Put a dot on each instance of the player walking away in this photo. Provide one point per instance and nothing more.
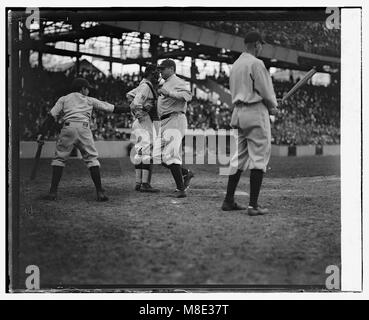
(172, 105)
(143, 108)
(76, 109)
(254, 100)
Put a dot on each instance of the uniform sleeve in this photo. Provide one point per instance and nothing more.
(131, 95)
(181, 91)
(101, 105)
(141, 96)
(58, 107)
(263, 83)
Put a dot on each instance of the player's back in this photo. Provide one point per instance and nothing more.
(241, 79)
(77, 107)
(76, 99)
(73, 107)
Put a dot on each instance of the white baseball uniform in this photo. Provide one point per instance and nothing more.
(143, 100)
(76, 110)
(250, 85)
(171, 110)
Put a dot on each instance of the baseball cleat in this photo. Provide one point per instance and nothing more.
(146, 187)
(138, 187)
(257, 211)
(187, 179)
(231, 206)
(52, 196)
(179, 194)
(100, 196)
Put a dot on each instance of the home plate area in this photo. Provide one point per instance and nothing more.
(154, 239)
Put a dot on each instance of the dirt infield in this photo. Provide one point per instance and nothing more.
(139, 238)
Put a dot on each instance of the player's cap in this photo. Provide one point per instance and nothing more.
(253, 36)
(79, 83)
(167, 63)
(151, 68)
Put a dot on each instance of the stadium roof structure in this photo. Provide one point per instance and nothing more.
(171, 36)
(182, 14)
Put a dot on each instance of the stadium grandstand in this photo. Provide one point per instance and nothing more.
(111, 50)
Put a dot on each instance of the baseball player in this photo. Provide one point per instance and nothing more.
(143, 107)
(254, 100)
(76, 108)
(172, 105)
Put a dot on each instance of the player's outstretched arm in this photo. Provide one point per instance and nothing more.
(122, 108)
(101, 105)
(108, 107)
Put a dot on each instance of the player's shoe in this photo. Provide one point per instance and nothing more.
(51, 196)
(257, 211)
(231, 206)
(138, 187)
(187, 179)
(146, 187)
(100, 196)
(179, 194)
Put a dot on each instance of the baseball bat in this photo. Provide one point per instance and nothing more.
(299, 84)
(37, 160)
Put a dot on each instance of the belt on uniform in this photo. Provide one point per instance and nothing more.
(246, 104)
(82, 123)
(166, 116)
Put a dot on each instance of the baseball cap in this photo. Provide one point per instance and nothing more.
(167, 63)
(79, 83)
(253, 36)
(150, 68)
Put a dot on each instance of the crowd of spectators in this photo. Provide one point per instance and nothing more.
(203, 114)
(311, 116)
(309, 36)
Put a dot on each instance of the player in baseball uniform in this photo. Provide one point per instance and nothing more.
(172, 105)
(143, 107)
(75, 109)
(254, 100)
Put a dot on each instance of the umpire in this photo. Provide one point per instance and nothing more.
(254, 100)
